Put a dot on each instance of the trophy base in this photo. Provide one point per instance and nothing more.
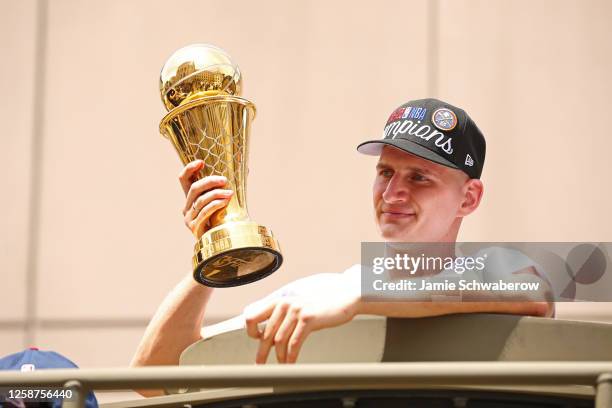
(235, 254)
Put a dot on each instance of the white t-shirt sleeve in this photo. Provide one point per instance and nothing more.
(503, 262)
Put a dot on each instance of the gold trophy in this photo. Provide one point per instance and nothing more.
(208, 120)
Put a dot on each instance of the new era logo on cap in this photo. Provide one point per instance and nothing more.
(436, 131)
(468, 160)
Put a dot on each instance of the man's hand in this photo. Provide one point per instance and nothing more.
(291, 320)
(203, 197)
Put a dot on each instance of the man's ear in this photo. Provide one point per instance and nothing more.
(472, 194)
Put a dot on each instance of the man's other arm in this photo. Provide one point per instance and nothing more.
(290, 320)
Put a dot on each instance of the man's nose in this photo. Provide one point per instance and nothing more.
(396, 190)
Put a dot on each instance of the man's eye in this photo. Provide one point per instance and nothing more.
(419, 177)
(386, 173)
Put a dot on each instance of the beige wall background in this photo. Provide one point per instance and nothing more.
(92, 237)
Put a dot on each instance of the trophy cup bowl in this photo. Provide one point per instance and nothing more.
(208, 120)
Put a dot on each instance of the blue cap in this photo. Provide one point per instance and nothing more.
(34, 359)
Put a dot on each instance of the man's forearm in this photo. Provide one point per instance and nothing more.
(427, 309)
(424, 303)
(175, 325)
(427, 303)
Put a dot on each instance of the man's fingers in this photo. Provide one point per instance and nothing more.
(188, 174)
(255, 314)
(284, 333)
(267, 339)
(199, 205)
(197, 188)
(302, 329)
(198, 225)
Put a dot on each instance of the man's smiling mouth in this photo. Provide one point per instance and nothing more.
(396, 214)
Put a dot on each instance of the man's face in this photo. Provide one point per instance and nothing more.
(416, 200)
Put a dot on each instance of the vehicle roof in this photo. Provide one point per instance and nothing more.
(482, 353)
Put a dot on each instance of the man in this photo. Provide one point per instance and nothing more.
(427, 181)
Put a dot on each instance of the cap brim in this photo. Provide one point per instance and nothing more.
(374, 148)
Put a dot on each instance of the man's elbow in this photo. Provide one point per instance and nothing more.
(543, 302)
(518, 307)
(544, 308)
(538, 303)
(147, 392)
(536, 308)
(150, 393)
(141, 359)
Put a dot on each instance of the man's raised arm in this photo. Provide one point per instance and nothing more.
(175, 325)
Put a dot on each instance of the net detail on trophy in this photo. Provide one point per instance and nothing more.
(208, 120)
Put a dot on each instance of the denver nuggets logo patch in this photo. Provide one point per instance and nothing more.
(444, 119)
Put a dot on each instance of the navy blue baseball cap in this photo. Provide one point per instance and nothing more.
(32, 359)
(436, 131)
